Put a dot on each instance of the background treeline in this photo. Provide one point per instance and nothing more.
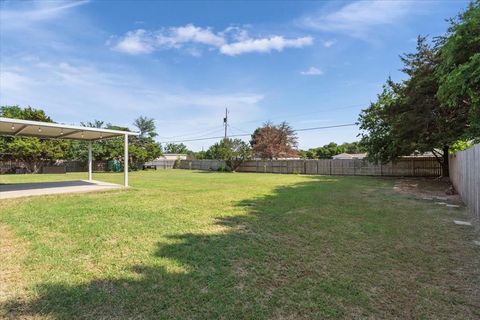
(331, 149)
(325, 152)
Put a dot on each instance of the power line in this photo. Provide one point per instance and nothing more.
(327, 127)
(209, 138)
(297, 115)
(248, 134)
(206, 131)
(238, 129)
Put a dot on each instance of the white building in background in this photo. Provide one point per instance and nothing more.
(347, 156)
(172, 156)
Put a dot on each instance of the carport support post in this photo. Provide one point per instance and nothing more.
(125, 162)
(90, 160)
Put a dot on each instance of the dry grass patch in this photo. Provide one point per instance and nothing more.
(427, 188)
(12, 253)
(12, 283)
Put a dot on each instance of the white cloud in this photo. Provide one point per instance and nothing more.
(143, 42)
(91, 92)
(107, 89)
(328, 43)
(17, 15)
(277, 43)
(358, 18)
(13, 81)
(312, 71)
(236, 33)
(45, 24)
(135, 42)
(190, 33)
(231, 41)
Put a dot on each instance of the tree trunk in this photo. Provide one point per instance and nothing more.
(445, 170)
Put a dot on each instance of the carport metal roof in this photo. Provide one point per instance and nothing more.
(27, 128)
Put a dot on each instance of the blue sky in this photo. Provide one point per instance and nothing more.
(181, 63)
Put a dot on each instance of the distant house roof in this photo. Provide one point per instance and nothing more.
(172, 156)
(350, 156)
(427, 154)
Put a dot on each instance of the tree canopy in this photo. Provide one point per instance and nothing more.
(27, 113)
(32, 151)
(146, 127)
(233, 151)
(329, 150)
(176, 148)
(274, 141)
(458, 69)
(141, 148)
(435, 106)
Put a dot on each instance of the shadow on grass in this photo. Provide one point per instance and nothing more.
(44, 185)
(244, 272)
(287, 257)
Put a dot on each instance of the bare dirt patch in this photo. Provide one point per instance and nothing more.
(427, 188)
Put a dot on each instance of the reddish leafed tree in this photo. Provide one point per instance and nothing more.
(274, 141)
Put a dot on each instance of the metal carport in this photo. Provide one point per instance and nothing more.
(27, 128)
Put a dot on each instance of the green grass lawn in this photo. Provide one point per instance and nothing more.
(198, 245)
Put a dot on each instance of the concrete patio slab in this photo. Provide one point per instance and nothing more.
(19, 190)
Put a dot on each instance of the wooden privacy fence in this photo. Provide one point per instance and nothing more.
(161, 164)
(202, 164)
(409, 167)
(82, 166)
(465, 176)
(69, 165)
(12, 166)
(412, 167)
(9, 165)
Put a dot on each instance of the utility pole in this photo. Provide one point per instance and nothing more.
(225, 122)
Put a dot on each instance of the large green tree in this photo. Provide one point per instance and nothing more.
(146, 127)
(176, 148)
(459, 68)
(141, 149)
(437, 105)
(27, 113)
(233, 151)
(408, 117)
(378, 136)
(31, 151)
